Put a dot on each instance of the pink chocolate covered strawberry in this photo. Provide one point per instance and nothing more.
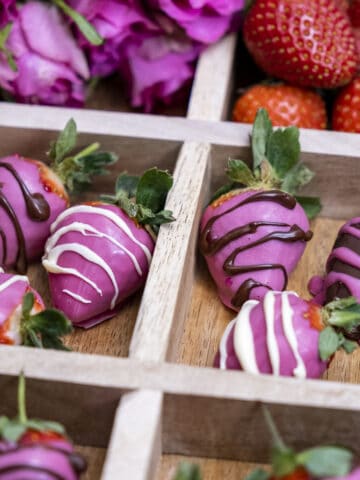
(34, 449)
(342, 278)
(32, 195)
(253, 237)
(286, 335)
(23, 318)
(100, 253)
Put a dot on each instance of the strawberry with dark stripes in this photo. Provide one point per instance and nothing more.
(33, 194)
(255, 230)
(34, 449)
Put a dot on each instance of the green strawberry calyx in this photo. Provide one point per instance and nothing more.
(276, 164)
(43, 329)
(187, 471)
(12, 430)
(76, 170)
(319, 462)
(143, 197)
(342, 320)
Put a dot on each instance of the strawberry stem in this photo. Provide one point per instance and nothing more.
(22, 399)
(278, 442)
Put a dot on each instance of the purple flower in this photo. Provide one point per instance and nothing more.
(51, 68)
(7, 11)
(203, 20)
(157, 67)
(115, 21)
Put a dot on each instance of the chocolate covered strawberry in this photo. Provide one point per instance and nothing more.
(23, 318)
(32, 195)
(252, 237)
(286, 335)
(308, 43)
(342, 278)
(99, 253)
(34, 449)
(313, 463)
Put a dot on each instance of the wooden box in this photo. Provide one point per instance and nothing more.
(138, 392)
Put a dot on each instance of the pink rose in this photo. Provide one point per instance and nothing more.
(51, 68)
(203, 20)
(115, 21)
(156, 67)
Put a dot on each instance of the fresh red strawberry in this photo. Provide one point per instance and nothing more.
(23, 318)
(34, 449)
(346, 109)
(286, 105)
(317, 462)
(32, 195)
(305, 42)
(254, 232)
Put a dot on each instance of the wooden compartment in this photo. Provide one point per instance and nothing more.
(162, 399)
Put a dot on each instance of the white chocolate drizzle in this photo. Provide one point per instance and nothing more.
(13, 279)
(244, 340)
(244, 344)
(223, 345)
(88, 231)
(269, 313)
(287, 321)
(118, 221)
(77, 297)
(53, 251)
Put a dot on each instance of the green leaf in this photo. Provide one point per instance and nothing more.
(329, 343)
(311, 205)
(13, 430)
(326, 461)
(283, 149)
(261, 132)
(65, 142)
(127, 183)
(153, 188)
(27, 303)
(344, 313)
(165, 216)
(188, 471)
(283, 461)
(239, 172)
(296, 178)
(349, 345)
(4, 34)
(258, 474)
(43, 425)
(84, 26)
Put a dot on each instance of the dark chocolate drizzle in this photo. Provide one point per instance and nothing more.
(36, 205)
(4, 247)
(37, 208)
(351, 242)
(21, 260)
(210, 245)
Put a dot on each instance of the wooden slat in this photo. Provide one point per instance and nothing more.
(166, 295)
(213, 81)
(135, 446)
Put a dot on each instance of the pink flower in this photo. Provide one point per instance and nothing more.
(51, 68)
(156, 67)
(7, 11)
(203, 20)
(115, 21)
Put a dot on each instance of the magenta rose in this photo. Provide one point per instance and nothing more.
(157, 67)
(203, 20)
(51, 68)
(7, 12)
(115, 21)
